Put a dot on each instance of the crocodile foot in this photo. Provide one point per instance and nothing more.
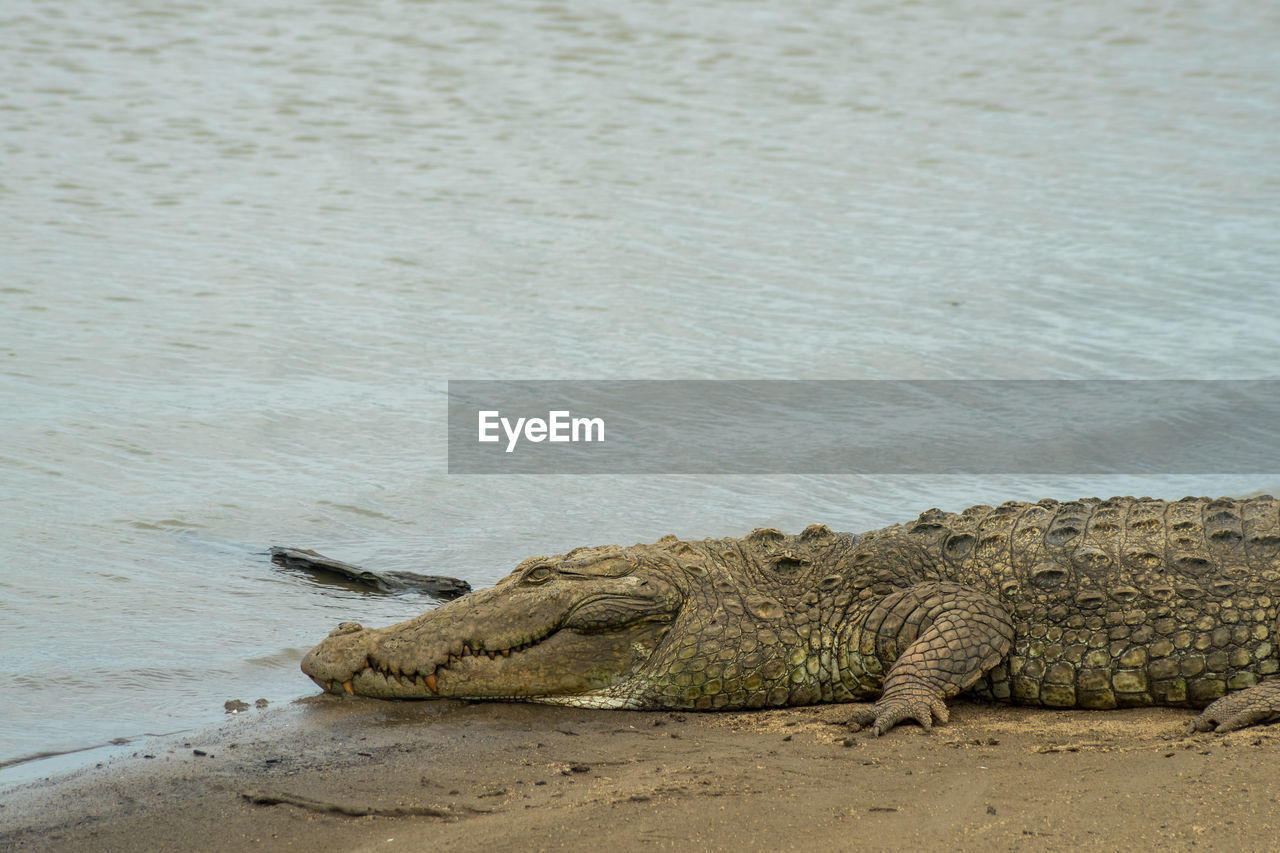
(950, 635)
(923, 707)
(1248, 707)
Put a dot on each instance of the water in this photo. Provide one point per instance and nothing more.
(242, 249)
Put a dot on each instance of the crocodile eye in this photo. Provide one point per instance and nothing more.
(539, 574)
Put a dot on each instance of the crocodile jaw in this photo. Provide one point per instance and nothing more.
(549, 640)
(561, 666)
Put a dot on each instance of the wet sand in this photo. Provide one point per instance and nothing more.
(339, 773)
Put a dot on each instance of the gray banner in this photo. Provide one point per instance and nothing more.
(865, 427)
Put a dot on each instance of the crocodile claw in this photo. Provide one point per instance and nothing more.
(891, 710)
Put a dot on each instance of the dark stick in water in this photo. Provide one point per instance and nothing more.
(437, 586)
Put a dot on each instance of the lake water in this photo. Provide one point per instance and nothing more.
(244, 246)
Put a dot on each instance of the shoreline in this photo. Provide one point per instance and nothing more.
(20, 770)
(354, 774)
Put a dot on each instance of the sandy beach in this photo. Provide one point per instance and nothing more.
(359, 774)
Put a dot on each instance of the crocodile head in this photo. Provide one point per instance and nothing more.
(575, 629)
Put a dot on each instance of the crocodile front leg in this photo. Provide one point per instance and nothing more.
(952, 635)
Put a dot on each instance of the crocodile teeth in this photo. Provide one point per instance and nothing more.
(506, 653)
(346, 685)
(431, 682)
(466, 650)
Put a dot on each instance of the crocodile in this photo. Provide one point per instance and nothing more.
(1079, 604)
